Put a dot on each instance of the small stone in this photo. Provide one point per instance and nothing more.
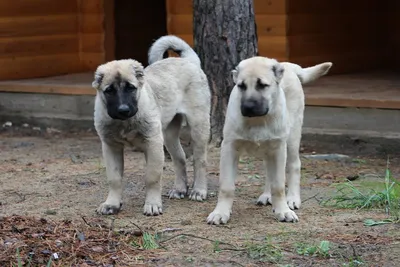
(50, 212)
(36, 129)
(97, 249)
(25, 125)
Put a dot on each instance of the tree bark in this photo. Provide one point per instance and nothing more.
(224, 34)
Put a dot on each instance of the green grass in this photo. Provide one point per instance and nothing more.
(387, 197)
(149, 241)
(264, 251)
(321, 250)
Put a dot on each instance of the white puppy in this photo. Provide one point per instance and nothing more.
(145, 108)
(264, 118)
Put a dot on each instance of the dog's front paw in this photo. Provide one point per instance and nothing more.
(108, 209)
(177, 193)
(264, 199)
(285, 215)
(152, 209)
(198, 194)
(218, 217)
(293, 201)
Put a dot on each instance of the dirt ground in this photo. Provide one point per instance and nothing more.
(58, 176)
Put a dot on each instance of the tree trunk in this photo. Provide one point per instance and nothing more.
(224, 34)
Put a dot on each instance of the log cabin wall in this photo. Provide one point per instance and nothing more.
(45, 37)
(348, 33)
(394, 33)
(270, 19)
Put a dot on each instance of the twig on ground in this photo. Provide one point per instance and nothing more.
(86, 222)
(314, 196)
(137, 226)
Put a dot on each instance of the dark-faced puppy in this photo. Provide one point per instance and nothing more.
(120, 90)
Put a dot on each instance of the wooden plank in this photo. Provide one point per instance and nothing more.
(331, 7)
(272, 46)
(24, 8)
(180, 7)
(305, 24)
(271, 25)
(185, 7)
(343, 63)
(39, 66)
(92, 6)
(356, 103)
(92, 43)
(48, 89)
(180, 24)
(270, 6)
(91, 23)
(38, 45)
(109, 27)
(336, 43)
(91, 61)
(37, 26)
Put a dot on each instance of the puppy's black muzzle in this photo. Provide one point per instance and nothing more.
(252, 108)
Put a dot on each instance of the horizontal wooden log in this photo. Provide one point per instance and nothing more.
(269, 25)
(38, 26)
(332, 7)
(39, 66)
(272, 46)
(90, 61)
(339, 43)
(92, 43)
(302, 24)
(25, 8)
(91, 23)
(91, 6)
(47, 89)
(182, 7)
(38, 45)
(344, 63)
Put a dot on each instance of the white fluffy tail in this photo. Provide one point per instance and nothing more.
(162, 44)
(307, 75)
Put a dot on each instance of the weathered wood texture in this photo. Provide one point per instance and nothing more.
(45, 37)
(349, 33)
(270, 18)
(224, 34)
(393, 32)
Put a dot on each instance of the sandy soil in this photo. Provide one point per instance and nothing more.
(60, 177)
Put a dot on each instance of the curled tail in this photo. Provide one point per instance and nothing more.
(307, 75)
(172, 42)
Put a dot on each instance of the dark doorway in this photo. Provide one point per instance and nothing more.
(137, 25)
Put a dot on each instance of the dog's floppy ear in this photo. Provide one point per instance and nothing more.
(139, 72)
(278, 70)
(235, 74)
(98, 78)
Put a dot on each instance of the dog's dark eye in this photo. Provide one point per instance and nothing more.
(110, 90)
(130, 88)
(261, 85)
(242, 86)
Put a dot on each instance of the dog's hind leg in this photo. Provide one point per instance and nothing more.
(113, 155)
(294, 169)
(174, 147)
(265, 197)
(200, 133)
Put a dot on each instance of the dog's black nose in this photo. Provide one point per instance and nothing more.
(252, 108)
(123, 109)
